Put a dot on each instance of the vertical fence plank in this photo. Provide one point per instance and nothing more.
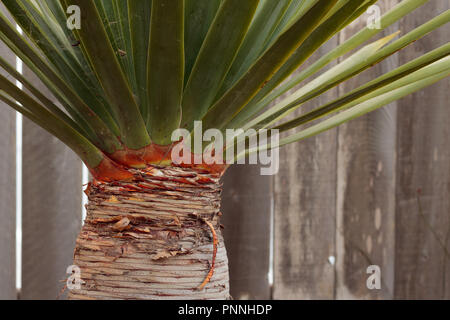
(366, 189)
(51, 210)
(7, 193)
(423, 183)
(246, 205)
(304, 224)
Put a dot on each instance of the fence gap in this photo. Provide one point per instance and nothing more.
(7, 190)
(18, 175)
(84, 198)
(7, 195)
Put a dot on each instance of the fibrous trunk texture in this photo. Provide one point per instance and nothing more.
(156, 237)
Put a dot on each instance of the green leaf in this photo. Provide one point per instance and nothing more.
(139, 19)
(199, 15)
(365, 107)
(215, 57)
(267, 17)
(47, 102)
(111, 14)
(94, 38)
(373, 88)
(122, 83)
(27, 53)
(165, 69)
(54, 10)
(318, 37)
(121, 10)
(37, 113)
(349, 67)
(262, 70)
(60, 55)
(73, 112)
(390, 17)
(357, 111)
(295, 11)
(345, 70)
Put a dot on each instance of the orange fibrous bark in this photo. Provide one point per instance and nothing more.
(116, 166)
(108, 170)
(151, 154)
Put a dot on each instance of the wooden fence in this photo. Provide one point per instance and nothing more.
(375, 191)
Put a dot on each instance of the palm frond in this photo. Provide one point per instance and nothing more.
(368, 90)
(360, 61)
(95, 40)
(265, 66)
(139, 13)
(215, 57)
(396, 13)
(165, 69)
(38, 65)
(138, 70)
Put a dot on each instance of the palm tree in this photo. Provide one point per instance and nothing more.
(133, 72)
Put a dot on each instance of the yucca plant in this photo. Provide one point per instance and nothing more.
(137, 70)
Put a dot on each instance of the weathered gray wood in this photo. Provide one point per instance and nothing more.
(304, 207)
(366, 189)
(423, 178)
(7, 193)
(246, 205)
(51, 211)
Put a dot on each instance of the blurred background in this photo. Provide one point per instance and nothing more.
(373, 192)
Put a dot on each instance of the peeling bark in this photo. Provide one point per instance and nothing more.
(156, 237)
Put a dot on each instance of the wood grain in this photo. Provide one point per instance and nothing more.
(422, 262)
(304, 207)
(51, 210)
(8, 192)
(366, 188)
(246, 204)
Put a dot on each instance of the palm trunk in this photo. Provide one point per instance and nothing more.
(156, 237)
